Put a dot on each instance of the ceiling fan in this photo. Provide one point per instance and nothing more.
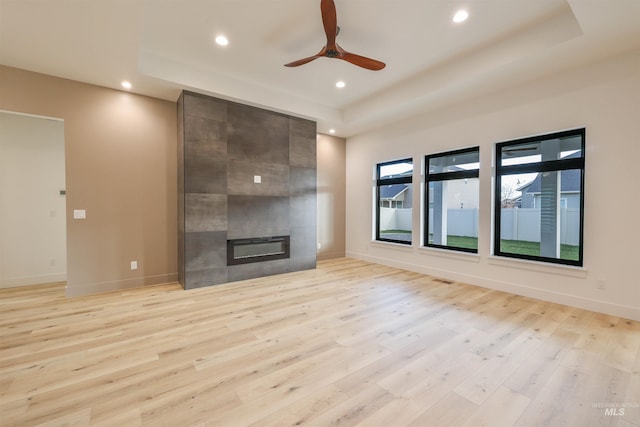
(332, 49)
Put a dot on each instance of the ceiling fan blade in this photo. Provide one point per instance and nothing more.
(329, 21)
(306, 60)
(331, 49)
(361, 61)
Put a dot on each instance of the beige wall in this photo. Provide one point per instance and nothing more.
(605, 99)
(32, 210)
(120, 152)
(331, 196)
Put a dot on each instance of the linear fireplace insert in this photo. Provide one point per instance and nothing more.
(257, 249)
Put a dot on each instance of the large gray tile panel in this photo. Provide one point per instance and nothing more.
(205, 155)
(254, 216)
(274, 177)
(303, 211)
(302, 181)
(205, 175)
(206, 277)
(303, 242)
(303, 201)
(205, 250)
(302, 143)
(257, 135)
(205, 137)
(205, 106)
(306, 263)
(205, 212)
(258, 269)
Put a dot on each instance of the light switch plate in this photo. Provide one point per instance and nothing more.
(257, 179)
(79, 214)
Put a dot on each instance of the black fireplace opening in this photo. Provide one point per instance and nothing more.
(257, 249)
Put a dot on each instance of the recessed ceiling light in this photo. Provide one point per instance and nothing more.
(222, 40)
(460, 16)
(125, 84)
(340, 84)
(332, 131)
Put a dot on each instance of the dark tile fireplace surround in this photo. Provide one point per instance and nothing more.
(247, 183)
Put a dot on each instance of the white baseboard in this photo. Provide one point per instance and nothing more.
(329, 255)
(117, 285)
(14, 282)
(624, 311)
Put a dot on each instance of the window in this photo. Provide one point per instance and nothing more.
(452, 193)
(546, 174)
(394, 194)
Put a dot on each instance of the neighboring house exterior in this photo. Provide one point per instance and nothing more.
(397, 196)
(569, 191)
(460, 194)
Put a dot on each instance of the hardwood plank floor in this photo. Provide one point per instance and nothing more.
(350, 343)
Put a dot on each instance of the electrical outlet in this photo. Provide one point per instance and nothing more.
(601, 284)
(79, 214)
(134, 265)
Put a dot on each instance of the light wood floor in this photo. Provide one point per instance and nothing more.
(350, 343)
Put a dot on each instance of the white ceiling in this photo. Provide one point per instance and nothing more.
(163, 46)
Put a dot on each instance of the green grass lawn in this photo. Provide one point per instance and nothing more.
(401, 235)
(533, 248)
(508, 246)
(462, 242)
(514, 247)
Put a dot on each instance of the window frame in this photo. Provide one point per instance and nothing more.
(539, 167)
(391, 181)
(446, 176)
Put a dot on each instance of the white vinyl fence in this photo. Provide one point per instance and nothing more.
(524, 224)
(516, 223)
(460, 222)
(395, 219)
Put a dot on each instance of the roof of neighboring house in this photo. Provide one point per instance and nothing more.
(569, 180)
(392, 191)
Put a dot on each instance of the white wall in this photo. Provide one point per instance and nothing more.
(331, 200)
(605, 99)
(32, 211)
